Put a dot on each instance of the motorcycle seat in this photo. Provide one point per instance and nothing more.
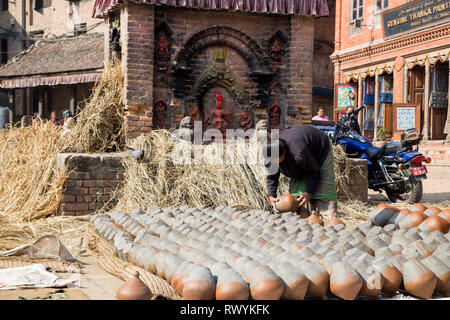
(373, 153)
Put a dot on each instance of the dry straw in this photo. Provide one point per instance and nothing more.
(30, 184)
(100, 124)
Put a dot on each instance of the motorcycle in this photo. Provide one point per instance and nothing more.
(395, 168)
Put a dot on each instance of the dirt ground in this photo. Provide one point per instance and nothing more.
(97, 284)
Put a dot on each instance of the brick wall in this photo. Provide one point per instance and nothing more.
(357, 184)
(92, 180)
(247, 52)
(137, 35)
(301, 52)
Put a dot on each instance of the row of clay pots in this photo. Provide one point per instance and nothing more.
(273, 240)
(417, 215)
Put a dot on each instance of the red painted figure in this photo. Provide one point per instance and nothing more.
(159, 115)
(246, 121)
(195, 115)
(219, 118)
(274, 117)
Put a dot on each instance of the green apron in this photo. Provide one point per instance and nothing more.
(327, 184)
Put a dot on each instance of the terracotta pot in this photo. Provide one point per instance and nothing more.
(287, 203)
(432, 211)
(181, 274)
(435, 223)
(199, 285)
(418, 279)
(172, 263)
(442, 272)
(319, 279)
(381, 216)
(445, 214)
(422, 248)
(134, 289)
(418, 207)
(392, 277)
(372, 279)
(314, 219)
(334, 221)
(231, 286)
(295, 281)
(345, 282)
(399, 216)
(265, 284)
(414, 219)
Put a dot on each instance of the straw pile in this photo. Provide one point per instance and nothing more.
(159, 181)
(100, 124)
(30, 184)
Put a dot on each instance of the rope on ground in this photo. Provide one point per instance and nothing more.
(106, 258)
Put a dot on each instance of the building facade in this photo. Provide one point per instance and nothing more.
(394, 55)
(227, 63)
(33, 37)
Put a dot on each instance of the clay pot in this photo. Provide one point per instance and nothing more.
(172, 264)
(345, 282)
(295, 281)
(414, 219)
(392, 277)
(381, 216)
(134, 289)
(319, 279)
(435, 223)
(231, 286)
(372, 279)
(422, 248)
(432, 211)
(314, 219)
(445, 214)
(287, 203)
(265, 284)
(417, 207)
(399, 216)
(334, 221)
(199, 285)
(418, 279)
(181, 274)
(442, 272)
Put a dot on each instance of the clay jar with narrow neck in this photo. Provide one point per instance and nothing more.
(414, 219)
(287, 203)
(334, 221)
(134, 289)
(314, 219)
(434, 223)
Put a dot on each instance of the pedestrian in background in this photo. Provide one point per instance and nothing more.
(321, 116)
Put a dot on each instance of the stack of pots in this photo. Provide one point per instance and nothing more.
(224, 253)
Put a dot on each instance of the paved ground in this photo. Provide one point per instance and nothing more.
(436, 188)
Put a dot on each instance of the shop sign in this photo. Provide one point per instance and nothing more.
(414, 16)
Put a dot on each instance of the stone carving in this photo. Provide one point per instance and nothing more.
(162, 47)
(220, 74)
(195, 115)
(159, 115)
(246, 121)
(261, 131)
(274, 117)
(219, 118)
(276, 53)
(186, 131)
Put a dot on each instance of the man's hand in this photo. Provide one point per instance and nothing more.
(273, 201)
(304, 197)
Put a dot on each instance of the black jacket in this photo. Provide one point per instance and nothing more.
(307, 149)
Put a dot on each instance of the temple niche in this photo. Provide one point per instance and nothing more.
(159, 115)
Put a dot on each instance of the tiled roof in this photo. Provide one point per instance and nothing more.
(287, 7)
(49, 57)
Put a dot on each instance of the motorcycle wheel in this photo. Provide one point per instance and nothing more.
(413, 196)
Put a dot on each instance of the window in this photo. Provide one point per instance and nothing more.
(356, 15)
(40, 4)
(379, 5)
(4, 5)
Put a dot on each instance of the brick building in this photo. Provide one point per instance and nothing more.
(36, 76)
(182, 57)
(395, 53)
